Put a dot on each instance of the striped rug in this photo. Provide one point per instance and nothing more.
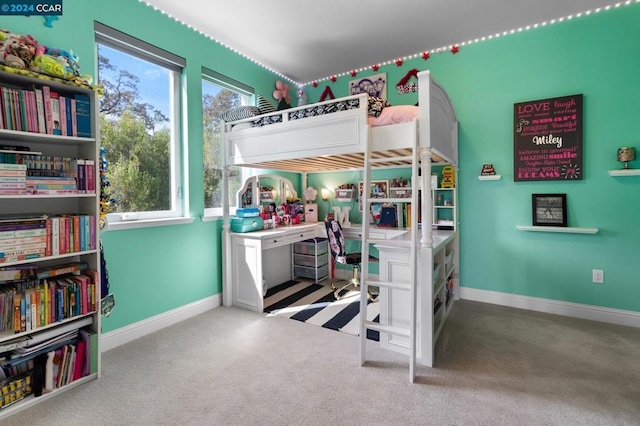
(315, 304)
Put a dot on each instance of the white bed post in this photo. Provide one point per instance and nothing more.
(227, 286)
(426, 202)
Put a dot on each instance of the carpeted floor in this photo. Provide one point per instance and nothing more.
(494, 366)
(316, 304)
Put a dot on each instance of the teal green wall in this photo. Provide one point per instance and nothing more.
(596, 55)
(153, 270)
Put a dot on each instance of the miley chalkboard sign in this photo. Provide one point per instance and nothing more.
(548, 139)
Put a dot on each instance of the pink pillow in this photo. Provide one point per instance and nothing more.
(395, 114)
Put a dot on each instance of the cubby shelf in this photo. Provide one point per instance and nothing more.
(562, 229)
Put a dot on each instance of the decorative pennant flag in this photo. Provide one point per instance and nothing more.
(406, 86)
(327, 92)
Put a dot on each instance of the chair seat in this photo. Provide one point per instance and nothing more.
(353, 258)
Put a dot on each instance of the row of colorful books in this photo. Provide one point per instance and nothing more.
(29, 303)
(42, 110)
(24, 237)
(37, 174)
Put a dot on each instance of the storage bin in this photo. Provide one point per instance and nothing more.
(248, 212)
(311, 245)
(246, 224)
(14, 389)
(310, 260)
(303, 271)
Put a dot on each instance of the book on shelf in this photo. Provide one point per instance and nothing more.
(22, 217)
(78, 165)
(42, 126)
(61, 269)
(68, 117)
(83, 115)
(9, 166)
(55, 113)
(90, 176)
(17, 273)
(48, 113)
(78, 369)
(74, 121)
(62, 105)
(91, 351)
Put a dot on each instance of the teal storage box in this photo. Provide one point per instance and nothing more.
(246, 224)
(248, 212)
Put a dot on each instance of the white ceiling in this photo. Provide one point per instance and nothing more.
(307, 41)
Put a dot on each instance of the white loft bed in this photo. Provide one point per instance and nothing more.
(337, 141)
(340, 141)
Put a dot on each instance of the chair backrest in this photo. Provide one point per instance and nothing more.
(336, 240)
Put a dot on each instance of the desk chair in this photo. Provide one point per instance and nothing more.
(337, 246)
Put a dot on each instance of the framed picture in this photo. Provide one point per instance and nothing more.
(549, 209)
(379, 189)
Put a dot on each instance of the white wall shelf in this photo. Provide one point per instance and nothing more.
(562, 229)
(625, 172)
(490, 177)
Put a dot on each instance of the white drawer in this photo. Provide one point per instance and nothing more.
(299, 235)
(275, 241)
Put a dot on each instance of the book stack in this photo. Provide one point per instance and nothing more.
(22, 237)
(13, 179)
(42, 110)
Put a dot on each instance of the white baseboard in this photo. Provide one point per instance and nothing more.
(577, 310)
(131, 332)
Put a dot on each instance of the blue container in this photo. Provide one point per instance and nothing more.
(246, 224)
(248, 212)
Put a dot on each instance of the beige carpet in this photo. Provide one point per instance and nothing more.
(494, 366)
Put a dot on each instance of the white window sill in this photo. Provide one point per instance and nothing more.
(211, 218)
(146, 223)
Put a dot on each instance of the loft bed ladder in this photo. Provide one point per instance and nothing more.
(412, 243)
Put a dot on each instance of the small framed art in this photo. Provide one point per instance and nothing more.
(549, 209)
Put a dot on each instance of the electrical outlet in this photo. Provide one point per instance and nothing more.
(598, 276)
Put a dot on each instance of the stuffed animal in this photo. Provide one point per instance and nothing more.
(50, 65)
(17, 51)
(281, 94)
(71, 60)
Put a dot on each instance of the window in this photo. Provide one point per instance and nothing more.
(139, 126)
(219, 94)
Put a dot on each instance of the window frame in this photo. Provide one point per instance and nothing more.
(248, 96)
(124, 43)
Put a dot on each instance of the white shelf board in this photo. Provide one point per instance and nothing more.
(490, 177)
(563, 229)
(625, 172)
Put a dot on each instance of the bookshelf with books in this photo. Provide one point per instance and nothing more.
(49, 239)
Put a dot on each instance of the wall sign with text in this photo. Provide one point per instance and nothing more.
(548, 139)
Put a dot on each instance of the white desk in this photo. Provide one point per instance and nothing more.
(263, 255)
(266, 255)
